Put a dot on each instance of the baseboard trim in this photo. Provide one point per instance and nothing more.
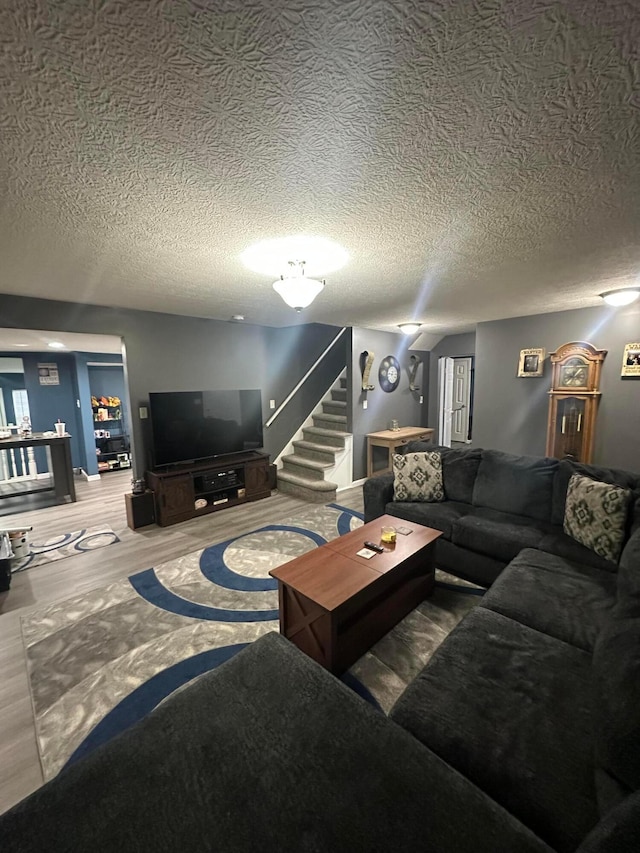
(351, 485)
(89, 477)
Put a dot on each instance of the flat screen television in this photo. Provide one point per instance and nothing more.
(193, 425)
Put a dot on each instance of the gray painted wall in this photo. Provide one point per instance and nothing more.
(453, 346)
(511, 413)
(402, 404)
(166, 352)
(292, 352)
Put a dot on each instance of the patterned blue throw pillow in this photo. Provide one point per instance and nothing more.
(418, 477)
(595, 514)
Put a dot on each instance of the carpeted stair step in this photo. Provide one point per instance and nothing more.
(334, 407)
(316, 451)
(343, 381)
(329, 437)
(339, 394)
(303, 467)
(316, 491)
(330, 422)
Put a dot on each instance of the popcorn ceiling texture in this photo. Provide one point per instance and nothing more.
(477, 159)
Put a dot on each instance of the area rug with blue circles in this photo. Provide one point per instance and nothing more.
(100, 661)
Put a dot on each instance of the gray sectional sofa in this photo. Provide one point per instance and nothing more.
(495, 505)
(521, 735)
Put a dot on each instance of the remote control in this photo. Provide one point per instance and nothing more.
(374, 547)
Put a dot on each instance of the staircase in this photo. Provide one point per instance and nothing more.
(320, 452)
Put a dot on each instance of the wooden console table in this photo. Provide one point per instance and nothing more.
(392, 439)
(61, 468)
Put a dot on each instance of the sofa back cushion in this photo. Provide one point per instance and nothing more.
(595, 515)
(617, 477)
(417, 477)
(520, 485)
(629, 577)
(459, 469)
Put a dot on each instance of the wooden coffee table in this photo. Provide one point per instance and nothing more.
(335, 605)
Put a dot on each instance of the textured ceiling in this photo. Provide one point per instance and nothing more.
(478, 159)
(32, 340)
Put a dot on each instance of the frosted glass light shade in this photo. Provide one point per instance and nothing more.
(409, 328)
(621, 297)
(298, 292)
(320, 255)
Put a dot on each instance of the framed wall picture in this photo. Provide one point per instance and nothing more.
(631, 360)
(531, 362)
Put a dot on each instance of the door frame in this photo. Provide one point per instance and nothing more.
(443, 361)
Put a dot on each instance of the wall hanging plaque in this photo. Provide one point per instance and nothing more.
(414, 362)
(366, 360)
(531, 362)
(631, 360)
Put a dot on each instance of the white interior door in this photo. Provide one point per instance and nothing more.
(461, 399)
(445, 399)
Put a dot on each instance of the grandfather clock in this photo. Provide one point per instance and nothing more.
(573, 400)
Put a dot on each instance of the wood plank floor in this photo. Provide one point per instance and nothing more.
(98, 503)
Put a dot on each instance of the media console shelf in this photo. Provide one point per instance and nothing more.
(236, 479)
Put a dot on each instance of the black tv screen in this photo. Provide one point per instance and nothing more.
(191, 425)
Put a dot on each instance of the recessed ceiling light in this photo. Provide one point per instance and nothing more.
(409, 328)
(271, 257)
(622, 296)
(56, 345)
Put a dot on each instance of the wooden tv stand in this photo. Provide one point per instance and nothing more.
(223, 482)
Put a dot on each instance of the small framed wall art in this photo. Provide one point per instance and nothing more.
(631, 360)
(531, 362)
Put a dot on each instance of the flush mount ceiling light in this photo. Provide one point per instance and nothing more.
(409, 328)
(270, 257)
(622, 296)
(296, 289)
(56, 345)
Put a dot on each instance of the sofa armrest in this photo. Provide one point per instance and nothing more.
(269, 752)
(378, 492)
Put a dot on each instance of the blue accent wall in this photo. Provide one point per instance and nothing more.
(90, 465)
(48, 403)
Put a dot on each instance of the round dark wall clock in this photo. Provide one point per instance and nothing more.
(389, 373)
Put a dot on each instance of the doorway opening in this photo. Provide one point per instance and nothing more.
(61, 380)
(455, 400)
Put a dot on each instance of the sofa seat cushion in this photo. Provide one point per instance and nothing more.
(618, 831)
(616, 663)
(497, 534)
(511, 709)
(267, 753)
(557, 542)
(440, 516)
(568, 601)
(516, 484)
